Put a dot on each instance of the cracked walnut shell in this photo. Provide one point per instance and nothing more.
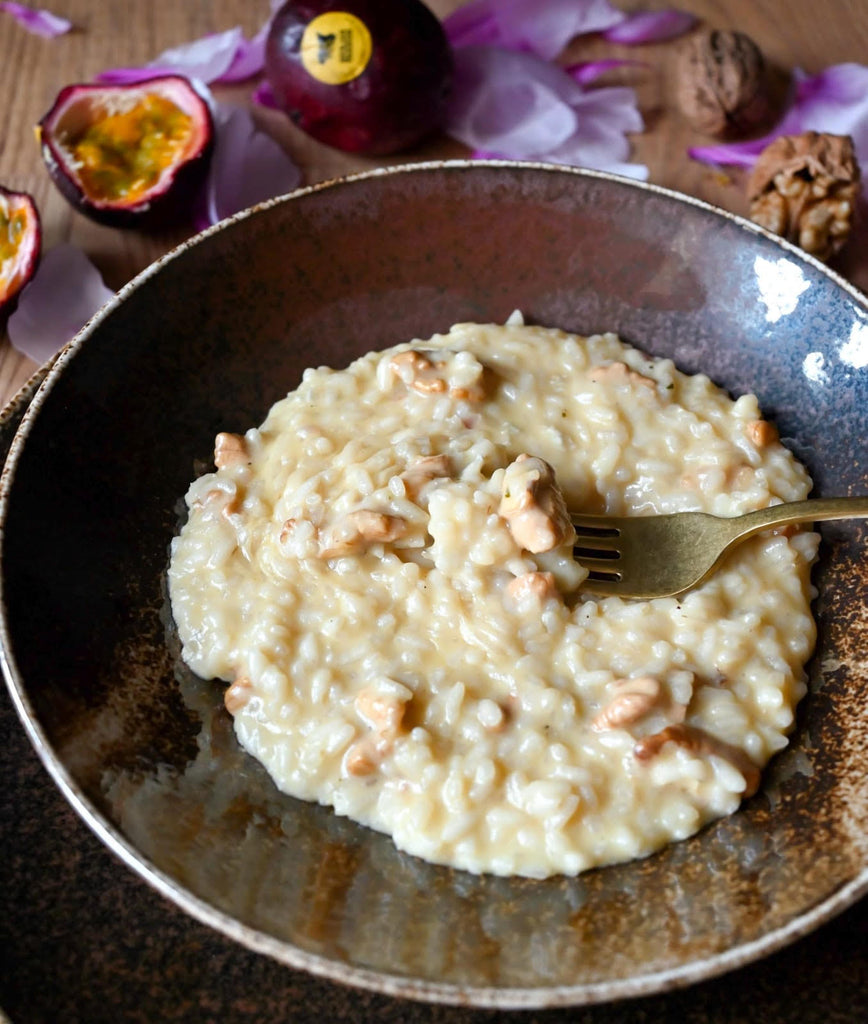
(805, 187)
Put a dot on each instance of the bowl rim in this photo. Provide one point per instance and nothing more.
(32, 396)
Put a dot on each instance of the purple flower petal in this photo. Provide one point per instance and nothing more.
(249, 59)
(528, 25)
(650, 27)
(63, 295)
(517, 106)
(833, 101)
(207, 59)
(589, 71)
(739, 154)
(39, 22)
(247, 168)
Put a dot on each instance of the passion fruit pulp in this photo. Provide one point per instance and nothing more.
(128, 154)
(20, 244)
(365, 76)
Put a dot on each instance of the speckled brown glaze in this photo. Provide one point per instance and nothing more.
(206, 341)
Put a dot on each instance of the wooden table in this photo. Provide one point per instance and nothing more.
(96, 944)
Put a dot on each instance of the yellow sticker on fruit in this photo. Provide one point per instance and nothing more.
(336, 47)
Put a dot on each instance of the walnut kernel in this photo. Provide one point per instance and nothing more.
(805, 188)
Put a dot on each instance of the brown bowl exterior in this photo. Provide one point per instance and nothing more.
(206, 340)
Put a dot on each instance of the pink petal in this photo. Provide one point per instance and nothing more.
(249, 58)
(39, 22)
(508, 102)
(739, 154)
(517, 106)
(475, 24)
(247, 168)
(650, 27)
(528, 25)
(60, 299)
(586, 72)
(834, 101)
(129, 76)
(605, 115)
(207, 59)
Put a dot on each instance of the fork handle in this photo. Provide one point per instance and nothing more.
(812, 510)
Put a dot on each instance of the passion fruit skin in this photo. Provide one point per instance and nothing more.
(19, 249)
(171, 198)
(399, 97)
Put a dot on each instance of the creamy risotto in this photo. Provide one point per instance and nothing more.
(383, 575)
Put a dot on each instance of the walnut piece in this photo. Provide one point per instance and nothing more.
(230, 450)
(238, 694)
(761, 433)
(722, 84)
(702, 744)
(632, 700)
(804, 187)
(533, 506)
(538, 585)
(355, 531)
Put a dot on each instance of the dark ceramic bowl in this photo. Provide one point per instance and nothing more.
(206, 340)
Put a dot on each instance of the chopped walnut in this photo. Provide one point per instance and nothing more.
(633, 699)
(418, 371)
(237, 695)
(227, 501)
(362, 758)
(423, 472)
(699, 742)
(429, 376)
(619, 373)
(804, 187)
(761, 433)
(533, 506)
(539, 585)
(356, 530)
(384, 714)
(230, 450)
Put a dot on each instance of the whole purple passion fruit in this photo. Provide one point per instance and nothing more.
(128, 154)
(20, 243)
(366, 76)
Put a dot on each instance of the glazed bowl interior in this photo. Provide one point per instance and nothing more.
(206, 341)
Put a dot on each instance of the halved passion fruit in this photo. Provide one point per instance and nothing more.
(20, 242)
(125, 154)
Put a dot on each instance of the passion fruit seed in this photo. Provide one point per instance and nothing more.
(122, 156)
(20, 243)
(121, 152)
(366, 76)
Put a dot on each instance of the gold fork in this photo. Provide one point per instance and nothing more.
(665, 555)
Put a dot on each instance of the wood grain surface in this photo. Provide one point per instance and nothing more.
(798, 33)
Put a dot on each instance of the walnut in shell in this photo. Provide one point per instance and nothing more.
(805, 188)
(722, 86)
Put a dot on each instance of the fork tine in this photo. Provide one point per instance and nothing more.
(609, 587)
(594, 542)
(597, 525)
(604, 566)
